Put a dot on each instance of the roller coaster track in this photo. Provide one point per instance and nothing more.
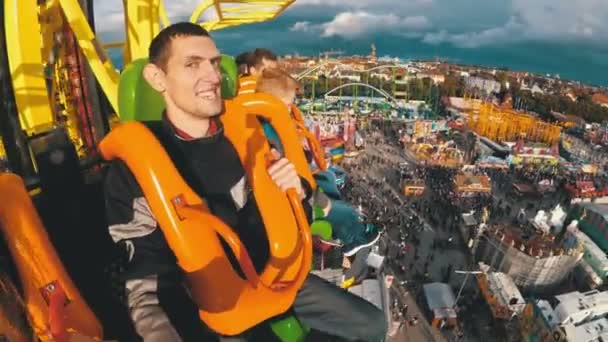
(379, 91)
(349, 67)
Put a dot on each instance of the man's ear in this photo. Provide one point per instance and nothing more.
(155, 77)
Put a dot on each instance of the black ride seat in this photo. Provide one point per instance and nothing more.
(73, 212)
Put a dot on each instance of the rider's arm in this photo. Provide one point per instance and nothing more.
(284, 174)
(153, 281)
(308, 200)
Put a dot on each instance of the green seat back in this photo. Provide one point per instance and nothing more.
(322, 229)
(137, 101)
(230, 77)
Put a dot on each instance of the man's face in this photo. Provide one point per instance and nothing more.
(192, 76)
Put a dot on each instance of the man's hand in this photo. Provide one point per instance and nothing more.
(284, 175)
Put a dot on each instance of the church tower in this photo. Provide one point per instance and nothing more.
(373, 55)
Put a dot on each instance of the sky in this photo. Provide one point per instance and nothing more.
(564, 37)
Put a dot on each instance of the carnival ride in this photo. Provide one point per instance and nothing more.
(61, 96)
(468, 185)
(363, 84)
(414, 187)
(507, 125)
(442, 155)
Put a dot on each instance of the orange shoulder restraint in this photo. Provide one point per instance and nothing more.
(227, 303)
(53, 303)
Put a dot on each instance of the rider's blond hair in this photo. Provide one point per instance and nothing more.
(276, 82)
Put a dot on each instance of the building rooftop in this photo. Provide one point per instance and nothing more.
(372, 290)
(506, 291)
(528, 240)
(590, 272)
(439, 295)
(577, 308)
(464, 104)
(592, 249)
(469, 219)
(600, 209)
(581, 316)
(440, 299)
(470, 182)
(600, 98)
(547, 311)
(588, 332)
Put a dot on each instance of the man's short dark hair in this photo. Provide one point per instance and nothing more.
(158, 53)
(243, 58)
(259, 55)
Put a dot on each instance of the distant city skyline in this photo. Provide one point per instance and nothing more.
(541, 36)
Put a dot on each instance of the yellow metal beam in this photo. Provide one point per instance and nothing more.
(282, 9)
(239, 12)
(142, 18)
(155, 19)
(114, 45)
(218, 9)
(200, 9)
(23, 42)
(126, 51)
(99, 61)
(223, 24)
(258, 2)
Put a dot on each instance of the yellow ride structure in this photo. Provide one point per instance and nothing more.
(501, 124)
(53, 58)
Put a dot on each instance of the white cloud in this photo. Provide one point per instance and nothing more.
(415, 22)
(511, 31)
(544, 20)
(562, 19)
(356, 24)
(109, 14)
(465, 23)
(361, 4)
(301, 26)
(109, 17)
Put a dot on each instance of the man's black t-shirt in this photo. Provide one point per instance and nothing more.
(212, 168)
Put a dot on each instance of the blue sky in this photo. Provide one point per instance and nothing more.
(563, 37)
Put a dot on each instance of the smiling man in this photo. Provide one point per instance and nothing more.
(184, 68)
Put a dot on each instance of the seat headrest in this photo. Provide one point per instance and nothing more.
(137, 101)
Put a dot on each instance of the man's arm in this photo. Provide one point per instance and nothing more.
(285, 176)
(158, 304)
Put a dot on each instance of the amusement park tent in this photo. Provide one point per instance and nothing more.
(492, 162)
(439, 296)
(468, 184)
(469, 219)
(440, 300)
(589, 168)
